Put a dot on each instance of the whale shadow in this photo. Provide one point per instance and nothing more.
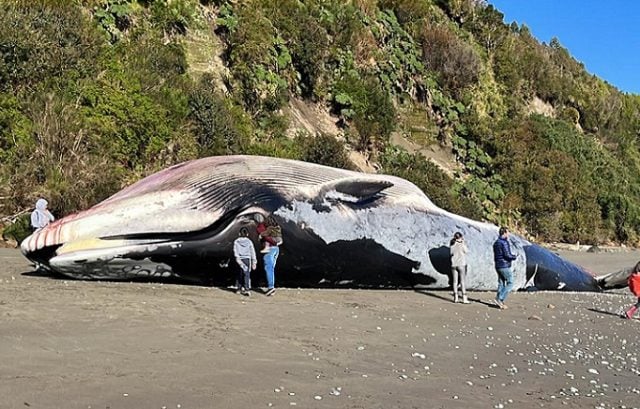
(440, 258)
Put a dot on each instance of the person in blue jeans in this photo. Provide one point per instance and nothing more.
(270, 259)
(502, 256)
(266, 232)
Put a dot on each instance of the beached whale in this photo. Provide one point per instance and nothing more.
(340, 228)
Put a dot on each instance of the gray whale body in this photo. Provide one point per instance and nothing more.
(340, 228)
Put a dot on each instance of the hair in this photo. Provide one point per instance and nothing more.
(243, 232)
(503, 230)
(636, 269)
(456, 236)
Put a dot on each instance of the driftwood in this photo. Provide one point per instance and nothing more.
(12, 218)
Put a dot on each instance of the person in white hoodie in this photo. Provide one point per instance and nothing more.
(41, 216)
(245, 255)
(459, 250)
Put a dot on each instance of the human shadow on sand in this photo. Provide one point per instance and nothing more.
(606, 312)
(449, 299)
(434, 295)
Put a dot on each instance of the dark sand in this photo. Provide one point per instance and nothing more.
(81, 344)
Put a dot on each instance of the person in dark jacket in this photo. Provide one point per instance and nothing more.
(503, 257)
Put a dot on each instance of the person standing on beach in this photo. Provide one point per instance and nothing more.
(41, 216)
(245, 255)
(458, 250)
(503, 257)
(270, 232)
(634, 287)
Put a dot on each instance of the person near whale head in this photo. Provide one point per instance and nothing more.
(245, 255)
(503, 257)
(634, 287)
(266, 240)
(41, 216)
(271, 234)
(458, 250)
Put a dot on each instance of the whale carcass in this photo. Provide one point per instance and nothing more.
(340, 228)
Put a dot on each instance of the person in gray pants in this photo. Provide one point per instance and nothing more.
(245, 255)
(458, 250)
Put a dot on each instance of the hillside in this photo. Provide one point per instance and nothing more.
(489, 122)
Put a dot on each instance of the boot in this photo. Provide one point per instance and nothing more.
(629, 313)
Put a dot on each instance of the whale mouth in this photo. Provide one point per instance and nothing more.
(42, 256)
(135, 255)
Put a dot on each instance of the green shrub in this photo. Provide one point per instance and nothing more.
(257, 56)
(546, 167)
(175, 16)
(278, 147)
(457, 64)
(43, 41)
(19, 229)
(365, 103)
(439, 187)
(113, 17)
(220, 127)
(323, 149)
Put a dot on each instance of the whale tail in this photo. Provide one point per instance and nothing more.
(617, 279)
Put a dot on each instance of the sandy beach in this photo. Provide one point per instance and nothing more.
(84, 344)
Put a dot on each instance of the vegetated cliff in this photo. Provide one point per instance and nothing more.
(98, 93)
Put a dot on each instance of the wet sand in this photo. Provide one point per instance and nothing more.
(82, 344)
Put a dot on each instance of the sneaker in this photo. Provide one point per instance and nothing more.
(270, 292)
(628, 314)
(239, 290)
(498, 303)
(246, 293)
(465, 300)
(456, 299)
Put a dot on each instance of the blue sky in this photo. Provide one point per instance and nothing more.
(603, 35)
